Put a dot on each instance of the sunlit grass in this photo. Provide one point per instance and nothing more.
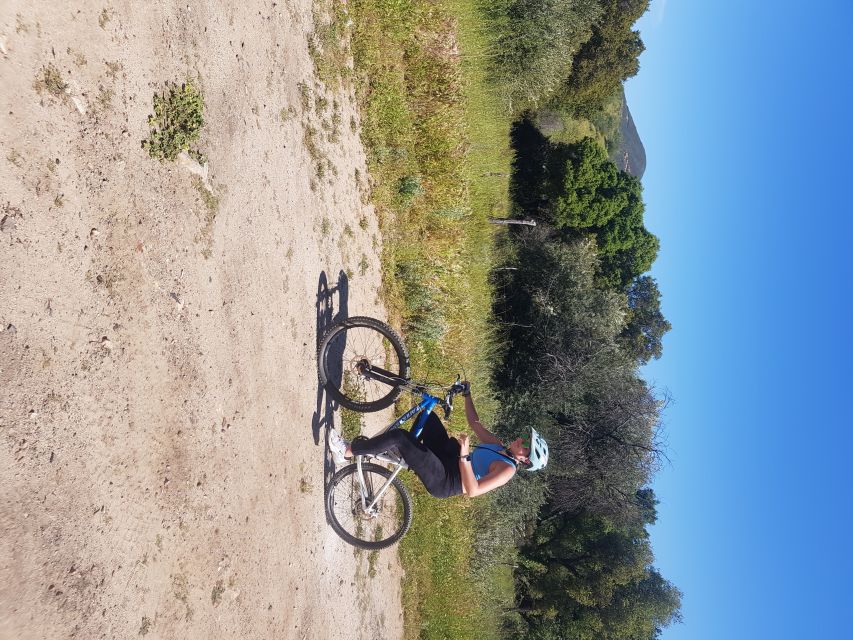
(439, 158)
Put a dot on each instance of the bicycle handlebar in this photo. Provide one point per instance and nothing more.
(456, 388)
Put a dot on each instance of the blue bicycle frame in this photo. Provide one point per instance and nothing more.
(425, 406)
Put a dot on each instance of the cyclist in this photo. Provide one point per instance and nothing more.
(447, 466)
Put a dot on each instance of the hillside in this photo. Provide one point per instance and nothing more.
(630, 155)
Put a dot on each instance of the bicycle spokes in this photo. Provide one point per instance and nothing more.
(363, 366)
(369, 507)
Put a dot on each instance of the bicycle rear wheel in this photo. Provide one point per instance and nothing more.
(385, 525)
(348, 352)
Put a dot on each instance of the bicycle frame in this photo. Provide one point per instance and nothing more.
(425, 406)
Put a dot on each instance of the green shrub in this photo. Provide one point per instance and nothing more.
(50, 79)
(533, 43)
(176, 123)
(424, 317)
(409, 187)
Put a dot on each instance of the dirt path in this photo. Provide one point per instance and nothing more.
(162, 455)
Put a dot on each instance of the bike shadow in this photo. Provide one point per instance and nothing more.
(332, 306)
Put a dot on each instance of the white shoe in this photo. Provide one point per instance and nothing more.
(338, 447)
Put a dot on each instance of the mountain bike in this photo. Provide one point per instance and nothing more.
(364, 365)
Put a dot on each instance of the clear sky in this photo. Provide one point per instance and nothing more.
(744, 108)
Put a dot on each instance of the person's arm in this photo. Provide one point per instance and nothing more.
(485, 436)
(492, 480)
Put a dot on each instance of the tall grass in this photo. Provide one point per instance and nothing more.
(436, 133)
(437, 257)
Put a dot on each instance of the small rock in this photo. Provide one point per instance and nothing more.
(106, 343)
(78, 103)
(3, 48)
(7, 223)
(94, 233)
(11, 329)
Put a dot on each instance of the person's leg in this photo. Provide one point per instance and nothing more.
(381, 443)
(434, 436)
(421, 460)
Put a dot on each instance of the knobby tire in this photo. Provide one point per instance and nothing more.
(344, 513)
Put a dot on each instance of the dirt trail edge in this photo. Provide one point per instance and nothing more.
(162, 435)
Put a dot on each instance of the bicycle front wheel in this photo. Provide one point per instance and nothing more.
(377, 527)
(348, 352)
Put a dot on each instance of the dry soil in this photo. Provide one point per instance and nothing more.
(162, 435)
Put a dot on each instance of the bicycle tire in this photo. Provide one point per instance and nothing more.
(351, 341)
(353, 526)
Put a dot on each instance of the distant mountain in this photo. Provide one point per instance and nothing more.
(630, 155)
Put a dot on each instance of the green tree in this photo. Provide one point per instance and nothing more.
(533, 41)
(646, 326)
(588, 194)
(586, 188)
(594, 580)
(586, 559)
(571, 380)
(606, 59)
(633, 258)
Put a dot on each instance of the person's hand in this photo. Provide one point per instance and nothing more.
(466, 388)
(464, 444)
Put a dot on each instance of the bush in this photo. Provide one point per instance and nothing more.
(534, 41)
(605, 60)
(409, 187)
(176, 123)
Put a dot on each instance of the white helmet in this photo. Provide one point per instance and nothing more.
(538, 451)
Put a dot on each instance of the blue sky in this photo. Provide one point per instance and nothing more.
(745, 112)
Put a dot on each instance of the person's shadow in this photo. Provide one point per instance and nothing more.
(332, 306)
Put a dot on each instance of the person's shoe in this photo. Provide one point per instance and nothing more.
(338, 447)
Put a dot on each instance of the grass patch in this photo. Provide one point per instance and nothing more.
(372, 560)
(113, 69)
(436, 134)
(176, 123)
(105, 98)
(15, 158)
(216, 593)
(49, 80)
(434, 139)
(310, 139)
(304, 96)
(77, 56)
(352, 422)
(105, 17)
(328, 45)
(208, 198)
(211, 209)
